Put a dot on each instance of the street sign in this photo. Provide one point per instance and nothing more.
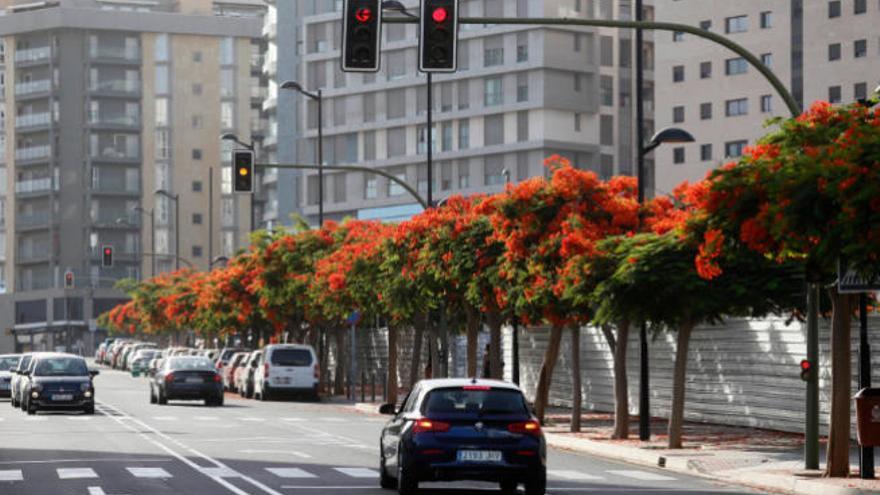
(850, 282)
(354, 318)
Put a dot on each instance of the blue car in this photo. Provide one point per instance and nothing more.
(463, 429)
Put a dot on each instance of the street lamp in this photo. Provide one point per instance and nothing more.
(219, 259)
(152, 235)
(252, 147)
(318, 97)
(176, 198)
(669, 135)
(506, 174)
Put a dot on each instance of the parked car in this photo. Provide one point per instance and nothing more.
(245, 374)
(463, 429)
(187, 378)
(18, 378)
(287, 369)
(228, 371)
(8, 362)
(154, 365)
(132, 351)
(103, 348)
(226, 354)
(59, 381)
(140, 362)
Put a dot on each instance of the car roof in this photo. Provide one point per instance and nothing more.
(43, 355)
(272, 347)
(435, 383)
(9, 355)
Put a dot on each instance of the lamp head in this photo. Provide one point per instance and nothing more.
(672, 135)
(291, 85)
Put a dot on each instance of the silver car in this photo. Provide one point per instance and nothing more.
(8, 362)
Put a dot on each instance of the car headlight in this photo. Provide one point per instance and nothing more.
(35, 394)
(87, 394)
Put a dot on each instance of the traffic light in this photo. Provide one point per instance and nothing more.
(806, 370)
(361, 36)
(107, 256)
(243, 168)
(438, 40)
(68, 279)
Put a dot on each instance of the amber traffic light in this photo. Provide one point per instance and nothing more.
(243, 171)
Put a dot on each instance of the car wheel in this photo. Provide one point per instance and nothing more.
(13, 402)
(89, 410)
(153, 398)
(162, 400)
(385, 481)
(22, 404)
(508, 487)
(406, 484)
(264, 393)
(31, 409)
(537, 484)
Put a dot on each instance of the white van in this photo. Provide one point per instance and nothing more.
(287, 368)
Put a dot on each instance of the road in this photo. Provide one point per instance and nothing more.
(131, 447)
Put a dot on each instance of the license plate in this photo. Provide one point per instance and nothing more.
(284, 380)
(4, 386)
(193, 380)
(60, 397)
(479, 455)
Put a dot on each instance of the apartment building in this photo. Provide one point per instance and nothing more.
(821, 50)
(521, 93)
(106, 102)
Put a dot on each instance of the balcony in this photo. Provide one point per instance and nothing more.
(34, 186)
(33, 152)
(116, 86)
(33, 120)
(257, 61)
(115, 120)
(109, 187)
(36, 254)
(38, 219)
(33, 54)
(31, 87)
(115, 53)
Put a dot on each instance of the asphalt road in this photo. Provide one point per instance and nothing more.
(131, 447)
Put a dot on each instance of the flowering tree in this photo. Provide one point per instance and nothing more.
(809, 191)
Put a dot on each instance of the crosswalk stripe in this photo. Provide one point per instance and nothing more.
(206, 418)
(572, 475)
(292, 419)
(141, 472)
(219, 472)
(76, 473)
(165, 418)
(642, 475)
(254, 420)
(358, 472)
(290, 473)
(11, 475)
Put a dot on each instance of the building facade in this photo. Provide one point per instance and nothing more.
(521, 93)
(821, 50)
(105, 103)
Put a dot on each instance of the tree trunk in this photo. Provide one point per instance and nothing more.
(496, 366)
(621, 385)
(576, 378)
(391, 380)
(416, 363)
(473, 330)
(339, 382)
(442, 366)
(837, 455)
(545, 378)
(676, 417)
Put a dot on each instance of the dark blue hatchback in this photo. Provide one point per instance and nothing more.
(463, 429)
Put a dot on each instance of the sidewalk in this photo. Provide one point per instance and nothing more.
(761, 459)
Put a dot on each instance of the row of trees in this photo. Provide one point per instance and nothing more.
(565, 251)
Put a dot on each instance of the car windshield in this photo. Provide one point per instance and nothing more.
(61, 366)
(25, 362)
(8, 363)
(475, 400)
(291, 357)
(191, 363)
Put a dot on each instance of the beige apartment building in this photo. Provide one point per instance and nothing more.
(820, 49)
(104, 103)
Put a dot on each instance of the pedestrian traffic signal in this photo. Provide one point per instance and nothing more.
(107, 256)
(438, 39)
(243, 168)
(361, 36)
(68, 279)
(806, 370)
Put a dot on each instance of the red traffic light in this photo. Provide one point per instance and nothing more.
(440, 15)
(363, 15)
(806, 365)
(108, 251)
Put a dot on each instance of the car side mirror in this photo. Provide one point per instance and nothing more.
(94, 373)
(390, 409)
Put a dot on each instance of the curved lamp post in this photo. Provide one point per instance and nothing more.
(176, 199)
(319, 98)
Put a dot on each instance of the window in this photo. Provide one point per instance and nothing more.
(766, 20)
(705, 111)
(493, 51)
(492, 93)
(577, 122)
(522, 87)
(767, 59)
(161, 112)
(197, 56)
(395, 189)
(197, 251)
(493, 130)
(606, 130)
(522, 47)
(834, 51)
(834, 9)
(227, 114)
(197, 89)
(734, 149)
(860, 48)
(678, 155)
(677, 36)
(197, 218)
(339, 189)
(706, 25)
(705, 152)
(678, 73)
(739, 106)
(606, 90)
(578, 42)
(577, 83)
(464, 134)
(705, 70)
(606, 51)
(738, 24)
(733, 66)
(198, 122)
(197, 186)
(522, 126)
(446, 136)
(371, 187)
(161, 79)
(196, 154)
(860, 7)
(834, 94)
(492, 168)
(160, 48)
(464, 95)
(766, 103)
(464, 175)
(678, 114)
(396, 104)
(396, 145)
(860, 91)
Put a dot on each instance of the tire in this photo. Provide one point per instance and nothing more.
(406, 485)
(385, 481)
(13, 402)
(31, 409)
(89, 410)
(264, 393)
(219, 402)
(508, 487)
(153, 398)
(537, 484)
(162, 400)
(22, 404)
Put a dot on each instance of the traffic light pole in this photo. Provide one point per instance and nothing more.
(811, 428)
(430, 142)
(866, 454)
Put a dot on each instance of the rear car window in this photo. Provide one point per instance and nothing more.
(464, 400)
(8, 363)
(190, 364)
(291, 357)
(228, 353)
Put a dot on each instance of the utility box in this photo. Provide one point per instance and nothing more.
(868, 417)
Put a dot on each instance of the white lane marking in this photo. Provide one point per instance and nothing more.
(358, 472)
(290, 473)
(332, 420)
(96, 490)
(165, 418)
(254, 420)
(293, 419)
(322, 487)
(572, 475)
(11, 475)
(76, 473)
(291, 452)
(142, 472)
(206, 418)
(81, 418)
(36, 418)
(58, 461)
(220, 472)
(642, 475)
